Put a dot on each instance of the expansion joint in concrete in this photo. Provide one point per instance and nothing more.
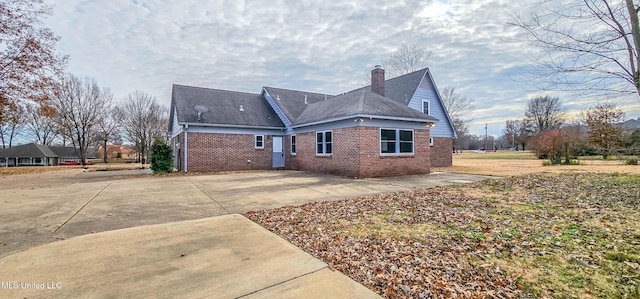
(81, 208)
(282, 282)
(208, 195)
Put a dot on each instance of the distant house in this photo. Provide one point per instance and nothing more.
(117, 151)
(70, 154)
(363, 133)
(33, 154)
(28, 155)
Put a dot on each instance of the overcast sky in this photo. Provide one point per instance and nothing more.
(319, 46)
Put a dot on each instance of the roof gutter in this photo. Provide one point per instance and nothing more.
(419, 120)
(230, 126)
(185, 149)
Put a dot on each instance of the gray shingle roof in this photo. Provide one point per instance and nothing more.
(27, 151)
(362, 102)
(70, 152)
(223, 107)
(291, 102)
(402, 88)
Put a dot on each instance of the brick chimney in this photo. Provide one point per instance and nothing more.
(377, 80)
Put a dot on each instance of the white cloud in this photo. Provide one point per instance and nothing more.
(322, 46)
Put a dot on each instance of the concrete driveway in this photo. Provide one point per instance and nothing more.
(43, 208)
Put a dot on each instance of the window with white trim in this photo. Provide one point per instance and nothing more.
(430, 141)
(426, 106)
(259, 141)
(293, 144)
(324, 143)
(396, 142)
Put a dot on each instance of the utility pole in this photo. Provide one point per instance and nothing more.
(486, 136)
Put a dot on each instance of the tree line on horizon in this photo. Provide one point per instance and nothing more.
(546, 129)
(46, 105)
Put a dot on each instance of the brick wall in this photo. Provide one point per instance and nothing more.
(356, 153)
(372, 164)
(343, 161)
(210, 152)
(442, 152)
(291, 161)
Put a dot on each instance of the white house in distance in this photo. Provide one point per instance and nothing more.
(33, 154)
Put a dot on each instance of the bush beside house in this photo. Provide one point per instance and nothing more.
(161, 156)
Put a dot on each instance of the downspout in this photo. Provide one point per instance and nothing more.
(186, 148)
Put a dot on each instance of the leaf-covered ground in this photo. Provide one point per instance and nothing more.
(568, 235)
(6, 171)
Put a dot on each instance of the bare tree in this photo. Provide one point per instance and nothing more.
(519, 132)
(28, 61)
(80, 105)
(406, 59)
(511, 131)
(143, 119)
(11, 124)
(545, 113)
(108, 129)
(458, 107)
(591, 46)
(39, 124)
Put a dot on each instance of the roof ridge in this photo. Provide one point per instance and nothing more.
(296, 90)
(216, 89)
(423, 70)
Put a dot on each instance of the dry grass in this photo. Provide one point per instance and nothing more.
(5, 171)
(520, 163)
(571, 235)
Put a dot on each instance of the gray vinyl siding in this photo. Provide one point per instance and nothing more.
(427, 91)
(176, 128)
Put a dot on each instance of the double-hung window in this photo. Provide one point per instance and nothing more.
(426, 107)
(324, 143)
(396, 142)
(259, 141)
(293, 144)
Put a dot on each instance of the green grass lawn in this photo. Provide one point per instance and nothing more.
(498, 155)
(527, 155)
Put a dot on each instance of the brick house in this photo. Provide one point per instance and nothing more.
(418, 91)
(118, 152)
(360, 133)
